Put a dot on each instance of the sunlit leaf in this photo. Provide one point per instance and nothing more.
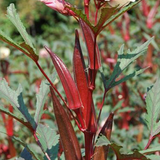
(41, 96)
(10, 95)
(150, 150)
(153, 109)
(123, 10)
(123, 61)
(81, 15)
(153, 157)
(49, 140)
(30, 150)
(16, 116)
(16, 100)
(117, 149)
(14, 18)
(11, 42)
(106, 13)
(101, 152)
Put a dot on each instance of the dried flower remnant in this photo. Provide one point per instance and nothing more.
(59, 6)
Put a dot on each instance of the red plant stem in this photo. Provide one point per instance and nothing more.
(149, 142)
(86, 8)
(96, 16)
(88, 145)
(50, 82)
(9, 126)
(18, 72)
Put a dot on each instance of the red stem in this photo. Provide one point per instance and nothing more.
(96, 16)
(86, 8)
(149, 142)
(88, 145)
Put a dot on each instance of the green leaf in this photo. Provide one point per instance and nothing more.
(120, 156)
(16, 100)
(48, 139)
(30, 150)
(124, 60)
(81, 15)
(30, 50)
(107, 16)
(10, 95)
(123, 10)
(150, 150)
(153, 157)
(103, 141)
(153, 109)
(41, 96)
(25, 154)
(154, 43)
(106, 13)
(18, 117)
(24, 110)
(14, 18)
(21, 47)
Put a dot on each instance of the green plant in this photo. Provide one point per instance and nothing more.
(79, 91)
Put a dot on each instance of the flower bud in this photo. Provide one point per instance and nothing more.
(58, 5)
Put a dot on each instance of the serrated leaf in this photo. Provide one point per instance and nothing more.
(106, 13)
(30, 51)
(120, 156)
(123, 10)
(49, 140)
(153, 109)
(10, 95)
(153, 157)
(11, 42)
(103, 141)
(101, 152)
(30, 150)
(16, 100)
(123, 61)
(14, 18)
(24, 110)
(81, 15)
(18, 117)
(154, 43)
(41, 96)
(150, 150)
(107, 16)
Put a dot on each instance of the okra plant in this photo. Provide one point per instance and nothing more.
(78, 105)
